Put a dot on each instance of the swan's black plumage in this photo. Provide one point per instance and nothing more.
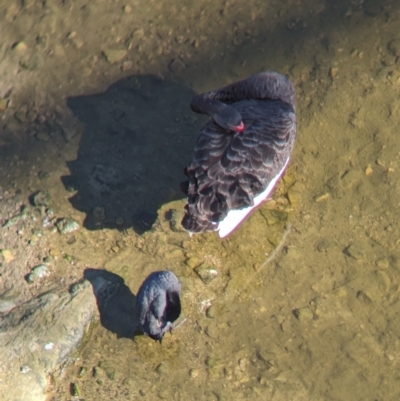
(157, 304)
(231, 166)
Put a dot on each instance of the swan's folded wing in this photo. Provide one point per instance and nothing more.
(230, 169)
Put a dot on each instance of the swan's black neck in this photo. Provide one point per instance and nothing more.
(203, 105)
(219, 106)
(265, 85)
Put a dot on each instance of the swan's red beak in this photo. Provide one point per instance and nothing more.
(240, 127)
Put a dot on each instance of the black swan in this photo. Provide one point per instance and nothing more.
(158, 304)
(240, 153)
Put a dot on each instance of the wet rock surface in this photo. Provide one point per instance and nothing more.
(42, 318)
(37, 336)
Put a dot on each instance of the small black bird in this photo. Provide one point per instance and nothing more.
(158, 304)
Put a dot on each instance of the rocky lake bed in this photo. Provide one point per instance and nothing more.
(95, 130)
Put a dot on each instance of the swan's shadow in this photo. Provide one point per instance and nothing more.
(115, 302)
(138, 136)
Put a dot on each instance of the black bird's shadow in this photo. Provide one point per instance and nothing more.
(138, 136)
(115, 302)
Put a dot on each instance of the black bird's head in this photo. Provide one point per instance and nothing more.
(228, 118)
(158, 304)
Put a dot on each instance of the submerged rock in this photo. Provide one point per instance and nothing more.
(114, 55)
(41, 198)
(38, 335)
(37, 273)
(206, 273)
(66, 226)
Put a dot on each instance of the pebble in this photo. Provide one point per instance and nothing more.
(350, 178)
(303, 314)
(33, 239)
(68, 133)
(127, 9)
(127, 382)
(3, 104)
(77, 43)
(97, 371)
(20, 47)
(363, 297)
(175, 218)
(206, 273)
(176, 66)
(382, 263)
(194, 373)
(192, 262)
(82, 371)
(31, 63)
(270, 204)
(174, 253)
(25, 369)
(356, 251)
(41, 198)
(243, 363)
(114, 55)
(340, 292)
(163, 395)
(333, 72)
(74, 390)
(138, 34)
(7, 255)
(66, 226)
(294, 196)
(322, 197)
(162, 368)
(108, 370)
(383, 281)
(368, 171)
(37, 273)
(41, 271)
(42, 175)
(212, 362)
(211, 312)
(127, 65)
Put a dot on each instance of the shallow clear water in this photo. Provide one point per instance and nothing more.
(320, 321)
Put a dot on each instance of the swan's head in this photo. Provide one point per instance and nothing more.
(157, 329)
(160, 314)
(158, 304)
(228, 118)
(239, 128)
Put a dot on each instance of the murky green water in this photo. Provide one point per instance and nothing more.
(320, 321)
